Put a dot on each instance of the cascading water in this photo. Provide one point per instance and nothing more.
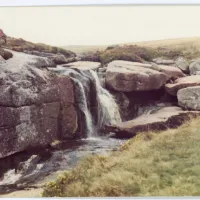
(90, 95)
(82, 102)
(96, 107)
(108, 109)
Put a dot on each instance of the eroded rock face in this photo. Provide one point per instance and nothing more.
(168, 117)
(36, 106)
(189, 98)
(172, 88)
(128, 76)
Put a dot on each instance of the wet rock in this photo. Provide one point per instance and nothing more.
(172, 88)
(124, 104)
(189, 98)
(168, 117)
(29, 165)
(36, 106)
(128, 76)
(182, 64)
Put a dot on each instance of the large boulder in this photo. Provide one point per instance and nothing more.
(172, 88)
(36, 106)
(182, 64)
(189, 98)
(195, 68)
(168, 117)
(128, 76)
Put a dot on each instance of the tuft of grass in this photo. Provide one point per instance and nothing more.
(164, 163)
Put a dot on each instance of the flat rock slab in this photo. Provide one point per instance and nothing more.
(189, 98)
(172, 88)
(83, 65)
(168, 117)
(128, 76)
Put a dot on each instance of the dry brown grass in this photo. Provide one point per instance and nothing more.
(151, 164)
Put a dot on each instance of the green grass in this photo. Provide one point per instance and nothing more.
(151, 164)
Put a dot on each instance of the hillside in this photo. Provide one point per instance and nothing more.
(189, 46)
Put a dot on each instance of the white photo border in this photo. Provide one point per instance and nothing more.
(95, 2)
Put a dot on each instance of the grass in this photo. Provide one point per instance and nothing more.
(151, 164)
(21, 45)
(132, 53)
(170, 48)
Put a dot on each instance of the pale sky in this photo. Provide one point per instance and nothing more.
(100, 25)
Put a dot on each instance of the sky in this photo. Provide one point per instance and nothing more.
(100, 25)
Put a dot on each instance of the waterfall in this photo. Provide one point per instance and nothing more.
(82, 102)
(108, 109)
(96, 104)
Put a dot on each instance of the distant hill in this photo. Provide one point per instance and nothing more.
(190, 47)
(80, 49)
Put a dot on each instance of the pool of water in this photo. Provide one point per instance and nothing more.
(33, 168)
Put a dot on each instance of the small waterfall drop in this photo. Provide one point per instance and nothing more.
(97, 105)
(82, 102)
(108, 109)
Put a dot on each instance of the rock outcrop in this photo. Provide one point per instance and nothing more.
(172, 88)
(127, 76)
(189, 98)
(36, 106)
(57, 55)
(168, 117)
(58, 58)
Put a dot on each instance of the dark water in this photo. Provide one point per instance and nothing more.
(31, 168)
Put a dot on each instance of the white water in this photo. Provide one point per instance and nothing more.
(10, 177)
(108, 110)
(84, 107)
(107, 103)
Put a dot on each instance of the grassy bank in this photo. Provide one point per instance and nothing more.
(153, 164)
